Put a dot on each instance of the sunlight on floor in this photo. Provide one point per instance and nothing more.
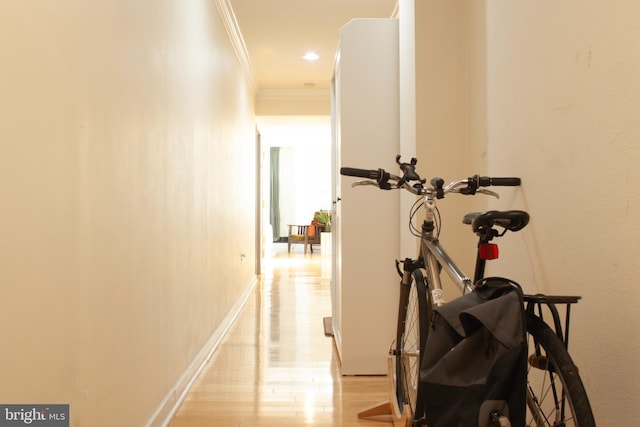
(276, 367)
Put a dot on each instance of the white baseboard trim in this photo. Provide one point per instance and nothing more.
(172, 401)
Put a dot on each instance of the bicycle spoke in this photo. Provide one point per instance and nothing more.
(411, 351)
(555, 395)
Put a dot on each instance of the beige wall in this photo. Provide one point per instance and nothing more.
(127, 177)
(552, 94)
(293, 102)
(442, 69)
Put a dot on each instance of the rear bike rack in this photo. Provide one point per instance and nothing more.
(534, 307)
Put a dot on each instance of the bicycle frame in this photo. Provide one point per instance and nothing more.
(435, 257)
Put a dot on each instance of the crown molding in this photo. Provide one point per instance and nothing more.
(396, 11)
(293, 94)
(235, 36)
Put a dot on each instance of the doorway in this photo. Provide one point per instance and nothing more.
(303, 147)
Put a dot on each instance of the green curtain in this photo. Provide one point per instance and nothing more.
(274, 215)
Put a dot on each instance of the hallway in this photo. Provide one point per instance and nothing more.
(276, 367)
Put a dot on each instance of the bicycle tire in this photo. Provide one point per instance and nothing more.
(410, 342)
(555, 393)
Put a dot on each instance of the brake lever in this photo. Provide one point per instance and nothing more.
(488, 192)
(367, 182)
(480, 190)
(382, 186)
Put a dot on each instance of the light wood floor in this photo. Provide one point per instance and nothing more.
(276, 367)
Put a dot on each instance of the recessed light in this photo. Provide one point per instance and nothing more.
(311, 56)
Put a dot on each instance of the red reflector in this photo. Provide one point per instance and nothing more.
(489, 251)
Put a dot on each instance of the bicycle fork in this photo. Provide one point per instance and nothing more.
(408, 267)
(406, 273)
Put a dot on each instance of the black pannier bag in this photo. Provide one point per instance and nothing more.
(475, 361)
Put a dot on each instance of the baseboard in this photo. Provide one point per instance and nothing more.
(327, 324)
(337, 341)
(172, 401)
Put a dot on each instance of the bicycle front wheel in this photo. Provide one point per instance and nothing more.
(555, 393)
(410, 342)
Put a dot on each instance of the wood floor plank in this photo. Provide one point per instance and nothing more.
(276, 367)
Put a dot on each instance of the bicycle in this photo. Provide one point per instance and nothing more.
(555, 394)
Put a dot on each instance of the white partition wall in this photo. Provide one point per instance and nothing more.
(365, 118)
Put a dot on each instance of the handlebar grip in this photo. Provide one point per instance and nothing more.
(362, 173)
(486, 181)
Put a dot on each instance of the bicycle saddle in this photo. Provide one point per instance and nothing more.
(511, 220)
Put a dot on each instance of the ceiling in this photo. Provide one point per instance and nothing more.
(277, 33)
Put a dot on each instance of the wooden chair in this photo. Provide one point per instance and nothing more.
(305, 234)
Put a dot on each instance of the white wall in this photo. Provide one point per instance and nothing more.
(124, 210)
(552, 94)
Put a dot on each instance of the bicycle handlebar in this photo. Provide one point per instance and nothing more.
(486, 181)
(382, 179)
(362, 173)
(380, 176)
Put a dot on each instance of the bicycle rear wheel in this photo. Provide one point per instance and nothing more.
(555, 393)
(411, 338)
